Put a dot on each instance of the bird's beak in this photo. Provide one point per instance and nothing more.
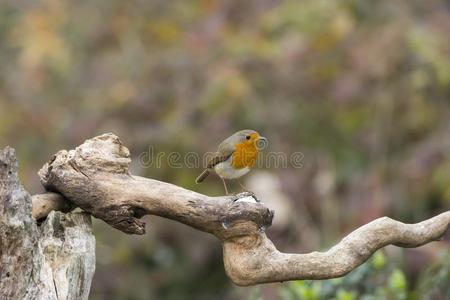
(262, 142)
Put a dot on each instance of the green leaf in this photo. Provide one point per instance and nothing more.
(379, 260)
(346, 295)
(397, 280)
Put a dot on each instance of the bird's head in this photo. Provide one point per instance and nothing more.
(249, 138)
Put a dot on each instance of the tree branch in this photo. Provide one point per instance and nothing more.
(43, 204)
(95, 176)
(253, 260)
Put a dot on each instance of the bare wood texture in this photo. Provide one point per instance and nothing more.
(95, 176)
(254, 259)
(53, 261)
(43, 204)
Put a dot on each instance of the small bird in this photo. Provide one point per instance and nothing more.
(235, 156)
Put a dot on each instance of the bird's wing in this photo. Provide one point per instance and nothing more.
(218, 157)
(223, 153)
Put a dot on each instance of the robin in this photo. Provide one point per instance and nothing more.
(235, 157)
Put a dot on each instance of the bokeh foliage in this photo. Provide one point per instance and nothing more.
(362, 88)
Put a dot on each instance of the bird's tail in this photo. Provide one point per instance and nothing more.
(202, 176)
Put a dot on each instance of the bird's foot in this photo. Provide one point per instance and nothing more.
(246, 196)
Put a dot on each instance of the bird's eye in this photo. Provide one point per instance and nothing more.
(247, 137)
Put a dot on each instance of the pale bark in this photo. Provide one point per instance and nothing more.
(55, 260)
(95, 176)
(43, 204)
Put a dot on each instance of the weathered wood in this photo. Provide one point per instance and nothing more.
(43, 204)
(53, 261)
(95, 176)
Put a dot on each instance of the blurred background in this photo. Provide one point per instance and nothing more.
(361, 88)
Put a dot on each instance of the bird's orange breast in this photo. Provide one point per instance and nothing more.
(245, 155)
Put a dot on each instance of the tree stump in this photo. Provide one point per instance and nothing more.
(53, 260)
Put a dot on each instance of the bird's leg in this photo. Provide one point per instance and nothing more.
(242, 186)
(225, 185)
(245, 193)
